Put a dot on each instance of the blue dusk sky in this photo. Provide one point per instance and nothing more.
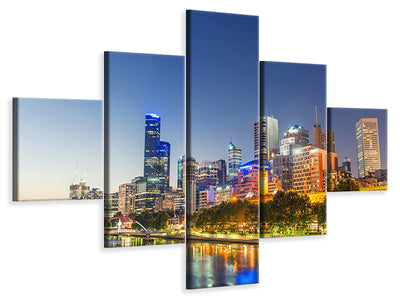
(343, 121)
(140, 84)
(59, 142)
(290, 93)
(222, 69)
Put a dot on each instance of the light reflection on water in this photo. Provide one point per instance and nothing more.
(212, 264)
(132, 241)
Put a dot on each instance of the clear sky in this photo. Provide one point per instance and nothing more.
(55, 139)
(343, 121)
(140, 84)
(290, 93)
(222, 54)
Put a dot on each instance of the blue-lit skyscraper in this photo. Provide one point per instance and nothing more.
(180, 171)
(163, 154)
(151, 143)
(156, 155)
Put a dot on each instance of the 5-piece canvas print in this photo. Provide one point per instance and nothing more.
(251, 152)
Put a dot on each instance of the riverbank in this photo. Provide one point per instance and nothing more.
(224, 238)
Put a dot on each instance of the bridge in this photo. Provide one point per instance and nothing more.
(127, 219)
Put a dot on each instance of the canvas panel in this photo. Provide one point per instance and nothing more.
(292, 136)
(57, 149)
(357, 149)
(221, 171)
(144, 145)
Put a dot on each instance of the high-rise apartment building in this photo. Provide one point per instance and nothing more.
(301, 170)
(266, 138)
(234, 161)
(367, 140)
(126, 198)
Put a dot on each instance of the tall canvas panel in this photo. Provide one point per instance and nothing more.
(358, 143)
(144, 147)
(221, 178)
(57, 149)
(292, 135)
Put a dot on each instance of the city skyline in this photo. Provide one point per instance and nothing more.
(139, 84)
(59, 141)
(343, 120)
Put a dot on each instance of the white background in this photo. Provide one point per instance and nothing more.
(54, 250)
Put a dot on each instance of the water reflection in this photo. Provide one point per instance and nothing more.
(212, 264)
(131, 241)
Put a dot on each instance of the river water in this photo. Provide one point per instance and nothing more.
(212, 264)
(126, 241)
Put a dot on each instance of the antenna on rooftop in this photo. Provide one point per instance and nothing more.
(316, 117)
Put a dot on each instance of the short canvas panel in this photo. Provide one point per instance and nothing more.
(221, 171)
(57, 149)
(144, 147)
(357, 149)
(292, 136)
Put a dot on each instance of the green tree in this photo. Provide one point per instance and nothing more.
(348, 184)
(287, 213)
(161, 220)
(319, 210)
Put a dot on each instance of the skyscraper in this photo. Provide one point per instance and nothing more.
(180, 171)
(367, 140)
(163, 154)
(221, 171)
(156, 155)
(151, 143)
(266, 138)
(316, 132)
(234, 161)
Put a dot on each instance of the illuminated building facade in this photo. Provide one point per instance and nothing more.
(300, 134)
(146, 201)
(247, 183)
(266, 138)
(126, 198)
(234, 161)
(318, 170)
(367, 140)
(223, 194)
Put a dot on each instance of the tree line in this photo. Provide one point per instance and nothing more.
(239, 216)
(290, 214)
(150, 220)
